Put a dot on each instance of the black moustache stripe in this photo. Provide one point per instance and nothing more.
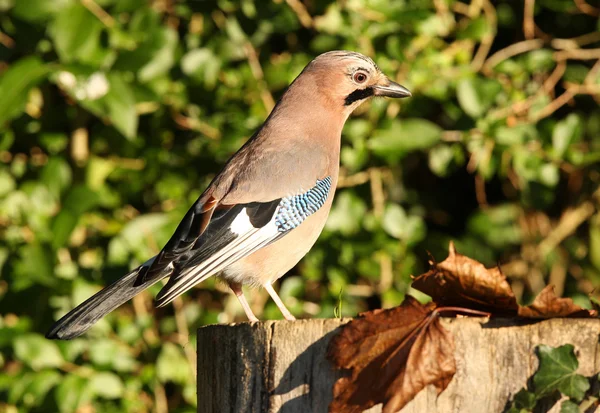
(358, 94)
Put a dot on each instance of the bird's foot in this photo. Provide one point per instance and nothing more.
(237, 290)
(286, 313)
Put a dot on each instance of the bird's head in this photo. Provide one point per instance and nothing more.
(346, 79)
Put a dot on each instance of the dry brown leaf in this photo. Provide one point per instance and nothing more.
(461, 281)
(548, 305)
(392, 354)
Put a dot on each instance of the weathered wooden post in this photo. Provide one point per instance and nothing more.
(280, 366)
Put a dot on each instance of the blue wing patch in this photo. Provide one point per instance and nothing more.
(293, 210)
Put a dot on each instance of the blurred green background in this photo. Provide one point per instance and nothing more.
(115, 115)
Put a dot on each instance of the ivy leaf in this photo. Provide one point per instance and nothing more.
(523, 400)
(557, 371)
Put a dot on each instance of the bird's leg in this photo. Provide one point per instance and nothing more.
(286, 313)
(237, 290)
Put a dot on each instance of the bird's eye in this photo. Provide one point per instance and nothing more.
(359, 77)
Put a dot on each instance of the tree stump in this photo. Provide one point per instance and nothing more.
(280, 366)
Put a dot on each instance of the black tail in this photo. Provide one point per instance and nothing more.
(86, 314)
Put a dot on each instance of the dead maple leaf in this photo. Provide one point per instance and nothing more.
(393, 354)
(464, 282)
(548, 305)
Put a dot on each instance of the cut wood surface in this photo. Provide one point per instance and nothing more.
(280, 366)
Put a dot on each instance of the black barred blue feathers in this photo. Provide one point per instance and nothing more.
(294, 210)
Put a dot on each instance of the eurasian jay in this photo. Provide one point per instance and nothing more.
(263, 212)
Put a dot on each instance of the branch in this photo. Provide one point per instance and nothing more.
(510, 51)
(569, 222)
(259, 75)
(577, 54)
(576, 42)
(528, 22)
(305, 18)
(486, 43)
(587, 9)
(99, 12)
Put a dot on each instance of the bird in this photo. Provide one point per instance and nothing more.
(266, 208)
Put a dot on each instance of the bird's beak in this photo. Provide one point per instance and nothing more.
(391, 90)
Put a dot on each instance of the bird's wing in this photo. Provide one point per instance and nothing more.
(213, 235)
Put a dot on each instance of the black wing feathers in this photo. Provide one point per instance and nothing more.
(82, 317)
(191, 227)
(198, 238)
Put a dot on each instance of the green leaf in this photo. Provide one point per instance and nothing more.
(524, 400)
(172, 365)
(120, 102)
(107, 385)
(569, 407)
(498, 226)
(39, 10)
(56, 175)
(15, 84)
(19, 386)
(163, 56)
(565, 133)
(106, 353)
(98, 170)
(7, 183)
(549, 175)
(405, 136)
(540, 60)
(477, 95)
(594, 247)
(72, 392)
(37, 352)
(35, 266)
(557, 372)
(79, 200)
(398, 224)
(39, 386)
(202, 64)
(346, 209)
(134, 236)
(477, 29)
(76, 34)
(443, 159)
(516, 135)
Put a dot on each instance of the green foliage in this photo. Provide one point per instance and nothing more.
(557, 372)
(115, 115)
(556, 376)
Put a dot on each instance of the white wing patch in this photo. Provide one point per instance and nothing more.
(241, 224)
(249, 240)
